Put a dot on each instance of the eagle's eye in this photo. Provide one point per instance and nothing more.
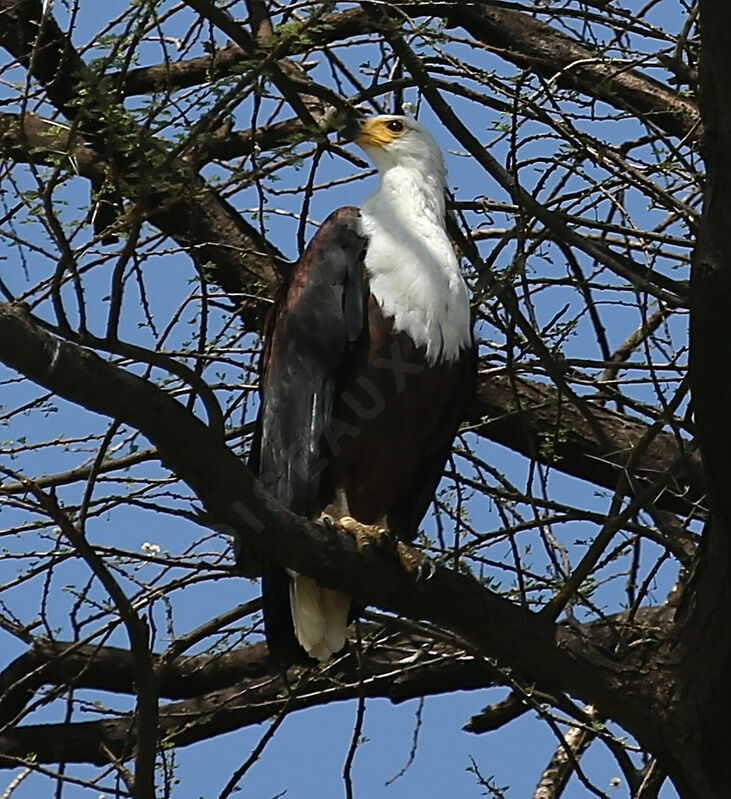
(395, 125)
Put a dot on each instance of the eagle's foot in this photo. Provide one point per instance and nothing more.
(367, 535)
(415, 563)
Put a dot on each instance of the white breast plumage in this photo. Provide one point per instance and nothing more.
(412, 268)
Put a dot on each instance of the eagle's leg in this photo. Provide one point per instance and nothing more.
(337, 514)
(365, 535)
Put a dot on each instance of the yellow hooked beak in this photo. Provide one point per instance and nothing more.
(373, 131)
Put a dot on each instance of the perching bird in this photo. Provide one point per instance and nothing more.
(367, 367)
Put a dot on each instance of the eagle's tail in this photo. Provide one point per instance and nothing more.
(320, 616)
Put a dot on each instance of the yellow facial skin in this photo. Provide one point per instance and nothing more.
(377, 133)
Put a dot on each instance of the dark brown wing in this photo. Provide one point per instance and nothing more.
(310, 334)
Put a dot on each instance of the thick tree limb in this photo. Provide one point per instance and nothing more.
(246, 702)
(555, 657)
(531, 418)
(29, 138)
(696, 764)
(235, 689)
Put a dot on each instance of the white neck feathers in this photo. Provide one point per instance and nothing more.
(412, 268)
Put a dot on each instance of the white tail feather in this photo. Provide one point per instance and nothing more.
(320, 616)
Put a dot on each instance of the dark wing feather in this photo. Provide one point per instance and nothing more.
(311, 330)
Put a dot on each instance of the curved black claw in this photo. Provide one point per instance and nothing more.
(415, 563)
(327, 522)
(424, 571)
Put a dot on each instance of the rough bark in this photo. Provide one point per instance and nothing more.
(243, 687)
(556, 658)
(697, 758)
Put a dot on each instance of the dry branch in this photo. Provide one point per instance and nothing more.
(558, 658)
(513, 35)
(227, 691)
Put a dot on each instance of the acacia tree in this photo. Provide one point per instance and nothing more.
(161, 169)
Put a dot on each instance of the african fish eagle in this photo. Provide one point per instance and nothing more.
(367, 367)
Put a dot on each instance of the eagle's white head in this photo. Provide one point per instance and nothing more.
(398, 141)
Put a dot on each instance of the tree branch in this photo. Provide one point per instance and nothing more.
(555, 657)
(238, 688)
(511, 34)
(531, 418)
